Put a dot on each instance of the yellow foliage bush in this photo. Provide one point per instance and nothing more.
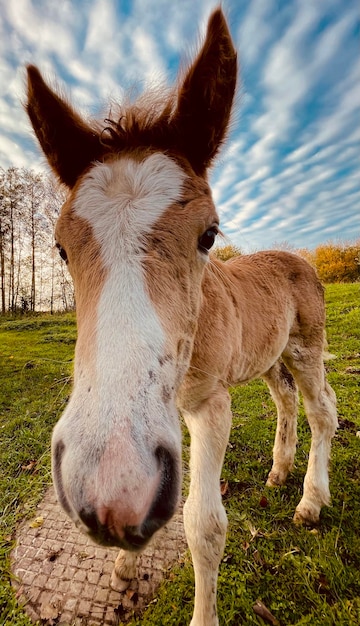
(335, 262)
(226, 252)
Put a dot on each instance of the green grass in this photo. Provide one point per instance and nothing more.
(35, 368)
(302, 576)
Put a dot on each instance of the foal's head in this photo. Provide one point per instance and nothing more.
(135, 232)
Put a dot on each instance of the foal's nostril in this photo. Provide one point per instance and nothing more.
(166, 499)
(99, 532)
(168, 493)
(90, 519)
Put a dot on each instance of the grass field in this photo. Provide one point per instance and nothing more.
(302, 576)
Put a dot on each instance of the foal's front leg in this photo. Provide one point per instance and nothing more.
(204, 515)
(124, 570)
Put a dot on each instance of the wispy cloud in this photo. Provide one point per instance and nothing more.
(290, 170)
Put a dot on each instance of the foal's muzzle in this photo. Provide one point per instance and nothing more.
(108, 523)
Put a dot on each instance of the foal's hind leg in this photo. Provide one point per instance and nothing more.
(124, 570)
(204, 515)
(285, 395)
(308, 369)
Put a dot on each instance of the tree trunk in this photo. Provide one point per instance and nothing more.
(2, 269)
(32, 296)
(12, 260)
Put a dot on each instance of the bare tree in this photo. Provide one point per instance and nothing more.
(34, 222)
(3, 231)
(12, 194)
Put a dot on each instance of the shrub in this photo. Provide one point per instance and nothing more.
(226, 252)
(335, 263)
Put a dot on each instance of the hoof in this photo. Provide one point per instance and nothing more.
(306, 517)
(118, 584)
(124, 571)
(275, 479)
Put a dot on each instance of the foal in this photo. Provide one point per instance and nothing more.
(162, 326)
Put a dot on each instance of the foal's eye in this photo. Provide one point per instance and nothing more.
(62, 252)
(207, 239)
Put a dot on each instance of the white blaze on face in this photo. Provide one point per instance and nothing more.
(117, 418)
(122, 201)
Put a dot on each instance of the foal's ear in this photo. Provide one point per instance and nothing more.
(206, 96)
(69, 144)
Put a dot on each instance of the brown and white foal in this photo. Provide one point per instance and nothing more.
(163, 326)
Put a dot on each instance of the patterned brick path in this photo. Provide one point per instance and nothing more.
(63, 578)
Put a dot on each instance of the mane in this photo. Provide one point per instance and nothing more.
(149, 121)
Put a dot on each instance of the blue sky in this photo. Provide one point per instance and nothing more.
(290, 171)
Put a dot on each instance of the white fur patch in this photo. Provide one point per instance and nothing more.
(122, 201)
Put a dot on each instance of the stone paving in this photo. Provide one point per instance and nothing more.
(62, 577)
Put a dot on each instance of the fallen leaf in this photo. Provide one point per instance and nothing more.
(132, 595)
(29, 467)
(258, 558)
(254, 532)
(37, 523)
(49, 612)
(53, 555)
(224, 488)
(262, 611)
(323, 582)
(82, 556)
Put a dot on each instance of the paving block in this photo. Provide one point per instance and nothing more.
(64, 578)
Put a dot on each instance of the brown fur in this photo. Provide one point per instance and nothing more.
(265, 293)
(87, 271)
